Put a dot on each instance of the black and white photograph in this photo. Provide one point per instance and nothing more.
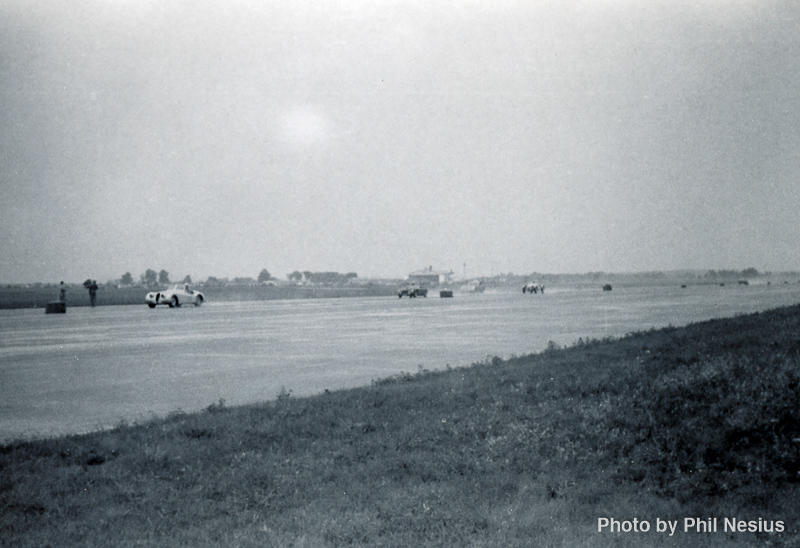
(399, 273)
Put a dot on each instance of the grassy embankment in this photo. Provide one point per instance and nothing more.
(701, 421)
(38, 297)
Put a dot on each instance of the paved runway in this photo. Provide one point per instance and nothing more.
(94, 367)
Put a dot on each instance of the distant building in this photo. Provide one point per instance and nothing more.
(430, 276)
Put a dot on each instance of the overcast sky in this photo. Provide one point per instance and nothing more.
(217, 138)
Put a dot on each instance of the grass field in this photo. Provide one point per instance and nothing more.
(699, 422)
(38, 297)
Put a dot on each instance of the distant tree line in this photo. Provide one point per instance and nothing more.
(730, 274)
(321, 277)
(151, 278)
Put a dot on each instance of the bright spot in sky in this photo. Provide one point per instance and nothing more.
(305, 126)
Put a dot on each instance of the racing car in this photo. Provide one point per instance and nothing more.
(174, 297)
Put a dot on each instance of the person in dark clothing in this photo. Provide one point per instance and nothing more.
(93, 292)
(62, 293)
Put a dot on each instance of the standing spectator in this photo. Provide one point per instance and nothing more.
(93, 292)
(62, 293)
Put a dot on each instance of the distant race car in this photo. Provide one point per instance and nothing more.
(174, 296)
(412, 291)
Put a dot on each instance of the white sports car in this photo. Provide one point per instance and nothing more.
(174, 296)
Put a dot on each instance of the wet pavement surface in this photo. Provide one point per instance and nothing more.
(95, 367)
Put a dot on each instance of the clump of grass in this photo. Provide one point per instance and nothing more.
(404, 377)
(216, 407)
